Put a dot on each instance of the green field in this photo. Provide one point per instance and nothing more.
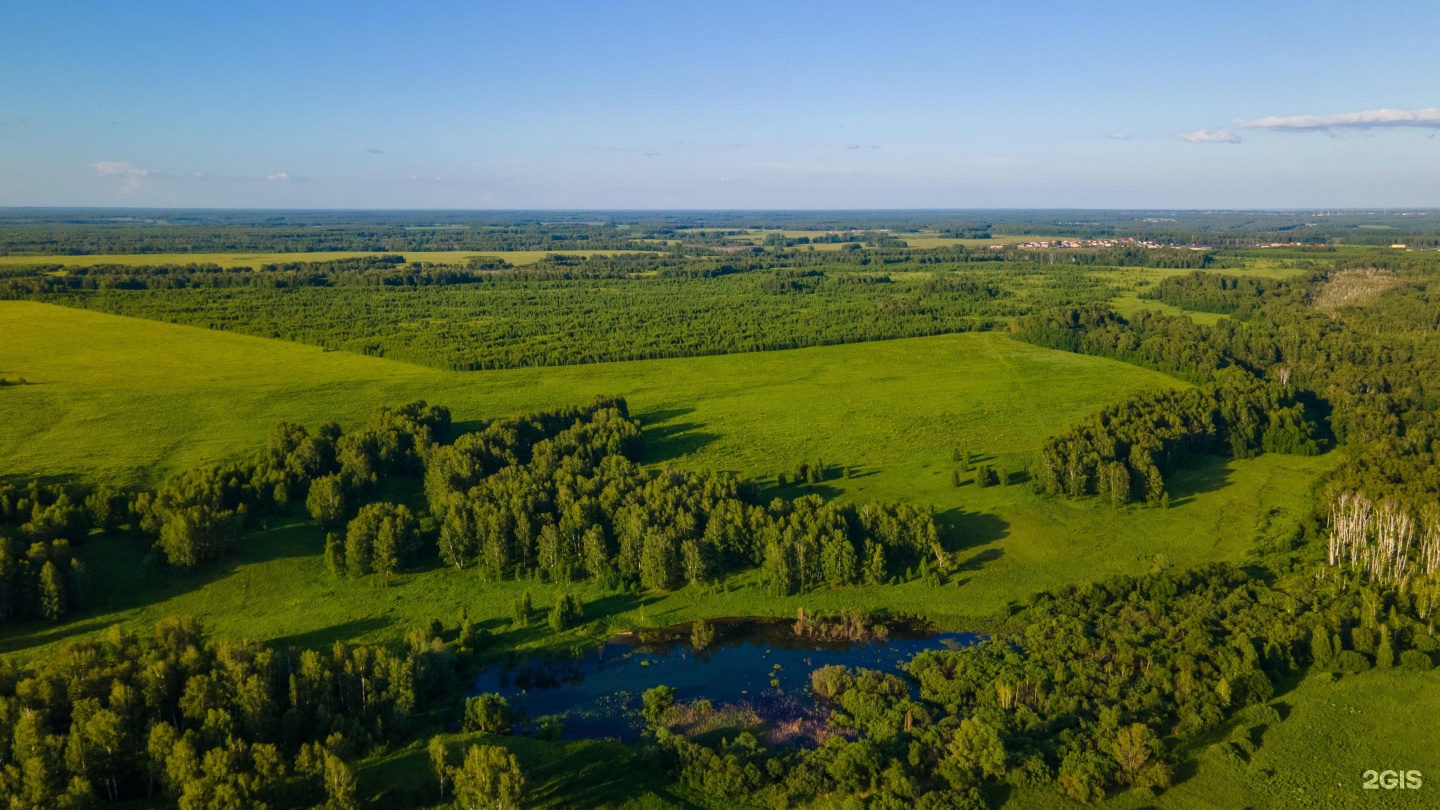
(517, 257)
(129, 400)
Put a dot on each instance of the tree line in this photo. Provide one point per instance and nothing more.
(512, 502)
(1123, 453)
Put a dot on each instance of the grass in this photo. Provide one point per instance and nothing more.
(128, 400)
(583, 773)
(1331, 732)
(516, 257)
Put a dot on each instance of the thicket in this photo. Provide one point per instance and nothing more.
(513, 503)
(201, 724)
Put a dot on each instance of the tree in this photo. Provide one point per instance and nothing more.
(697, 570)
(658, 561)
(1320, 651)
(1132, 749)
(52, 592)
(488, 779)
(702, 635)
(521, 609)
(326, 500)
(656, 705)
(339, 785)
(381, 538)
(568, 612)
(440, 762)
(467, 640)
(973, 753)
(489, 713)
(1385, 651)
(837, 559)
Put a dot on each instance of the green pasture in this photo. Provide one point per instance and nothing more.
(128, 400)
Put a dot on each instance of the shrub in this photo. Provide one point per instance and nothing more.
(489, 713)
(1416, 661)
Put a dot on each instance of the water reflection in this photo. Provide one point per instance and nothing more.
(755, 669)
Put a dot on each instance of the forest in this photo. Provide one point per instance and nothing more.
(1100, 690)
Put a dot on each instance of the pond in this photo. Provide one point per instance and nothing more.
(756, 669)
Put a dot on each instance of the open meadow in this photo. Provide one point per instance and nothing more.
(129, 401)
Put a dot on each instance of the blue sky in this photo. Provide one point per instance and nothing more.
(720, 105)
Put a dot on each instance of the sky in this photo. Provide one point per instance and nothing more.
(694, 105)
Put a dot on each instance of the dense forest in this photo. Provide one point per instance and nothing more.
(514, 323)
(567, 310)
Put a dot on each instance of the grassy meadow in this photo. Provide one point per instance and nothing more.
(1332, 730)
(128, 400)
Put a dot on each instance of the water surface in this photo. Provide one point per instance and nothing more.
(757, 665)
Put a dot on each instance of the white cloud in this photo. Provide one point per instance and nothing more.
(1429, 117)
(118, 169)
(1121, 136)
(1206, 136)
(134, 178)
(278, 176)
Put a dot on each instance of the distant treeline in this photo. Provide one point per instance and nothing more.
(82, 239)
(378, 270)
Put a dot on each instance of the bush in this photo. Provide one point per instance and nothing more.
(489, 713)
(567, 613)
(1416, 661)
(656, 705)
(1351, 662)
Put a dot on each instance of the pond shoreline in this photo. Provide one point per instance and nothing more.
(754, 672)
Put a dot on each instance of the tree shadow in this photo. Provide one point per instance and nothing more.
(325, 637)
(791, 491)
(33, 633)
(461, 427)
(540, 640)
(1202, 474)
(978, 561)
(667, 439)
(961, 530)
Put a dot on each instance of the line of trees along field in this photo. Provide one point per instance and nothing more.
(567, 311)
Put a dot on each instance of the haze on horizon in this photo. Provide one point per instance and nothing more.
(646, 105)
